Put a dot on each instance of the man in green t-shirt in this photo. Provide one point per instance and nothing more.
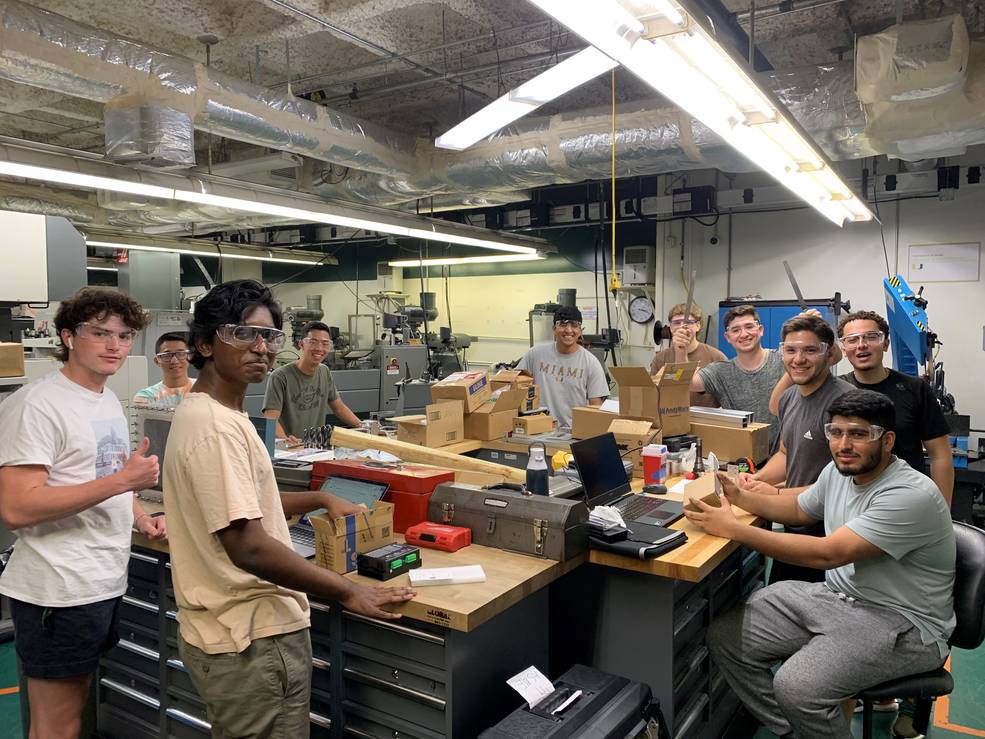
(297, 393)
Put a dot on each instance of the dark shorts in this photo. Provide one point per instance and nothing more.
(56, 643)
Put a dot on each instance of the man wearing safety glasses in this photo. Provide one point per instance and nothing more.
(299, 394)
(807, 349)
(171, 355)
(685, 347)
(864, 338)
(242, 614)
(67, 477)
(885, 608)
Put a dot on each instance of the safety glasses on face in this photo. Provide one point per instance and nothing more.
(811, 351)
(854, 432)
(317, 343)
(180, 356)
(245, 337)
(678, 322)
(868, 337)
(568, 324)
(736, 329)
(89, 331)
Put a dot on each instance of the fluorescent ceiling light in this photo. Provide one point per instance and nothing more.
(439, 261)
(561, 78)
(223, 252)
(317, 214)
(102, 269)
(677, 57)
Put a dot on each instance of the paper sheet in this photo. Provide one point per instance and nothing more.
(611, 405)
(532, 685)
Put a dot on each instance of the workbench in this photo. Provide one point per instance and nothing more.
(440, 671)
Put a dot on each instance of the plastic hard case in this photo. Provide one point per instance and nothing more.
(542, 526)
(610, 707)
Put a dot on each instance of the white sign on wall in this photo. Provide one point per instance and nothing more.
(944, 262)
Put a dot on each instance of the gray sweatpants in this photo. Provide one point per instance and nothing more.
(831, 648)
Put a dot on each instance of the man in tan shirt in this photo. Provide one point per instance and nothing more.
(685, 347)
(243, 622)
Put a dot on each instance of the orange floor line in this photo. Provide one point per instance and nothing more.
(9, 691)
(942, 714)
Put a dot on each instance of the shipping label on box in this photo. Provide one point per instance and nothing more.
(339, 540)
(472, 388)
(664, 398)
(730, 443)
(441, 424)
(11, 359)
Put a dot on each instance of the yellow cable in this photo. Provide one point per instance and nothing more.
(614, 281)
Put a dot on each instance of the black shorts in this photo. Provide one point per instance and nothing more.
(63, 642)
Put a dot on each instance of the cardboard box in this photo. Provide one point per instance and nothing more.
(664, 398)
(704, 489)
(631, 437)
(531, 400)
(11, 359)
(513, 379)
(730, 443)
(529, 425)
(494, 419)
(472, 388)
(588, 421)
(339, 540)
(440, 425)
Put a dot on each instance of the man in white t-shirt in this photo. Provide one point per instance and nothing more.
(66, 482)
(567, 373)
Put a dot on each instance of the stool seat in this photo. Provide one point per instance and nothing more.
(923, 685)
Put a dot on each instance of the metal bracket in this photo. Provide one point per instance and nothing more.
(490, 524)
(447, 512)
(540, 535)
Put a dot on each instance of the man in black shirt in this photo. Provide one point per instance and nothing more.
(864, 337)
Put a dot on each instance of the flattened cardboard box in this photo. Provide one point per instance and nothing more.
(664, 398)
(339, 540)
(494, 419)
(471, 388)
(512, 379)
(729, 443)
(441, 424)
(11, 359)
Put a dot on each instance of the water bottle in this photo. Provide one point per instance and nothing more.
(537, 469)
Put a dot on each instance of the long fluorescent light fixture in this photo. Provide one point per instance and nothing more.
(440, 261)
(223, 252)
(668, 49)
(561, 78)
(255, 206)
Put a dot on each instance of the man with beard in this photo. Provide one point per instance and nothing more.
(298, 393)
(807, 348)
(885, 608)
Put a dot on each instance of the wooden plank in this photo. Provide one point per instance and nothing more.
(424, 455)
(510, 577)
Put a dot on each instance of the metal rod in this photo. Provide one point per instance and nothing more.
(783, 8)
(752, 34)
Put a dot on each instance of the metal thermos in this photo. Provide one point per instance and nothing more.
(537, 474)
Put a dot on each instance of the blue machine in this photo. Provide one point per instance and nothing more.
(909, 334)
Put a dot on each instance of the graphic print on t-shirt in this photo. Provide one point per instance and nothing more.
(558, 373)
(307, 398)
(112, 445)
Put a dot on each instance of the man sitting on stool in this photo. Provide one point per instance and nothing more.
(885, 609)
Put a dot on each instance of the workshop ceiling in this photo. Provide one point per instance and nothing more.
(413, 66)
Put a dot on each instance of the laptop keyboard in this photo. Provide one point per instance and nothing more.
(303, 535)
(637, 506)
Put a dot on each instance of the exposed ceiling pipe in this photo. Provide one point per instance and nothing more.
(788, 6)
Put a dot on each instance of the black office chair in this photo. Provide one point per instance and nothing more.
(969, 632)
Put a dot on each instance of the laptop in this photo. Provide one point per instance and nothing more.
(606, 483)
(355, 491)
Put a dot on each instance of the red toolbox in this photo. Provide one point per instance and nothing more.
(410, 489)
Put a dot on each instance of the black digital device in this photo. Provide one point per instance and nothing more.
(388, 561)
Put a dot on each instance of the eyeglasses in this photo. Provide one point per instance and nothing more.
(678, 322)
(317, 343)
(735, 330)
(245, 337)
(181, 356)
(567, 324)
(103, 336)
(869, 337)
(810, 351)
(854, 432)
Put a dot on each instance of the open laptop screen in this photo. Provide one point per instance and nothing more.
(601, 469)
(355, 491)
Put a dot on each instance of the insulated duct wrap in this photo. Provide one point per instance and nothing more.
(140, 132)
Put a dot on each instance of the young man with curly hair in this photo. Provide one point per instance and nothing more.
(66, 490)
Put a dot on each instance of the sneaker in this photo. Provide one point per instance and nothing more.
(903, 728)
(879, 706)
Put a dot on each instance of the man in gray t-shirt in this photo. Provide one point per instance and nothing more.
(886, 607)
(567, 374)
